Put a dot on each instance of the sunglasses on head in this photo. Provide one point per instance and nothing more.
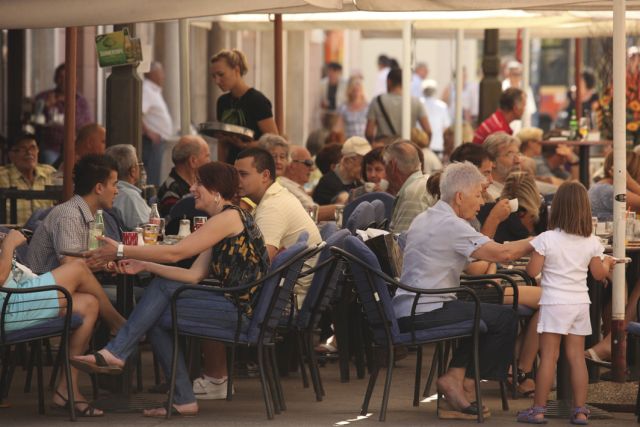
(306, 162)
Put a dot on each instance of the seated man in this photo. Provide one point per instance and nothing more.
(335, 185)
(407, 183)
(551, 166)
(504, 149)
(296, 175)
(129, 203)
(187, 155)
(440, 244)
(279, 215)
(24, 173)
(66, 228)
(91, 139)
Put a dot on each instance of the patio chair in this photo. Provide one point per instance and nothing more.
(275, 291)
(47, 327)
(382, 220)
(372, 287)
(386, 198)
(362, 217)
(319, 295)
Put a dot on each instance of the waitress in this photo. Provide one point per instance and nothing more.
(241, 105)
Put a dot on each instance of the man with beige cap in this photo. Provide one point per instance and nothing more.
(335, 185)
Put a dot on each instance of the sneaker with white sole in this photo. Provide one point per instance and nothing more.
(207, 390)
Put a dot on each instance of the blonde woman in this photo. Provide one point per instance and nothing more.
(241, 105)
(354, 112)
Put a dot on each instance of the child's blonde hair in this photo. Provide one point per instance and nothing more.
(234, 58)
(571, 210)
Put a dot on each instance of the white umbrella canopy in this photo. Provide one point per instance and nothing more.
(547, 5)
(75, 13)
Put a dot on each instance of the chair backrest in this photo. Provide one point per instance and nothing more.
(363, 217)
(380, 211)
(275, 292)
(36, 218)
(372, 291)
(324, 282)
(327, 230)
(386, 198)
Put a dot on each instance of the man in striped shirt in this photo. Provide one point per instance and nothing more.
(511, 107)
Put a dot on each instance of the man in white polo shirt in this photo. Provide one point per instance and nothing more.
(279, 214)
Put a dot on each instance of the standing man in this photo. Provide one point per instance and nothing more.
(129, 202)
(157, 125)
(511, 107)
(385, 111)
(333, 88)
(24, 173)
(438, 116)
(418, 78)
(49, 105)
(514, 79)
(66, 228)
(187, 155)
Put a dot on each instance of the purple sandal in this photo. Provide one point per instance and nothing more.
(528, 416)
(577, 411)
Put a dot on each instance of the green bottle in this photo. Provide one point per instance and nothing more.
(96, 229)
(573, 126)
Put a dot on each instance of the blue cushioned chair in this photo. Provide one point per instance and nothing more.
(275, 293)
(48, 327)
(326, 275)
(382, 220)
(362, 217)
(386, 198)
(372, 288)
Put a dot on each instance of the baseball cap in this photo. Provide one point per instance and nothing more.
(355, 145)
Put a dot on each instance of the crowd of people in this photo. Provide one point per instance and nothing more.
(463, 210)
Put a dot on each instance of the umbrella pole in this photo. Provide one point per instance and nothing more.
(71, 48)
(618, 341)
(406, 80)
(459, 81)
(185, 86)
(279, 64)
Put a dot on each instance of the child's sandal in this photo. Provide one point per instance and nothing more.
(528, 416)
(577, 411)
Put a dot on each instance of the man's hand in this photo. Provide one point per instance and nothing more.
(14, 239)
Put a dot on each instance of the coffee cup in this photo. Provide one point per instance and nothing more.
(383, 184)
(369, 186)
(513, 204)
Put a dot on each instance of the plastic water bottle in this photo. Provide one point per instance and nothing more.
(96, 229)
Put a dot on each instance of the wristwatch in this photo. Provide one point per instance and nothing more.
(120, 251)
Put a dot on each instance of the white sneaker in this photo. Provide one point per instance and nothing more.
(207, 390)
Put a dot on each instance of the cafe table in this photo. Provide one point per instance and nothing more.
(583, 154)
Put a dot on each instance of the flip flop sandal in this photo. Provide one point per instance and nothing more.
(447, 412)
(593, 357)
(100, 366)
(174, 411)
(88, 412)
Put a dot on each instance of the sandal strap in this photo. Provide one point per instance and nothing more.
(523, 376)
(536, 410)
(581, 410)
(100, 360)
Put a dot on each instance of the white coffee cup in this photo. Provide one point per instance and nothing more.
(513, 204)
(369, 186)
(383, 184)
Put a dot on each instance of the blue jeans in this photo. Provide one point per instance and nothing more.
(154, 306)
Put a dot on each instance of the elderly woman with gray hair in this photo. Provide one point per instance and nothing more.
(440, 244)
(279, 149)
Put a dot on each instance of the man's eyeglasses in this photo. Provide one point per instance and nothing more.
(306, 162)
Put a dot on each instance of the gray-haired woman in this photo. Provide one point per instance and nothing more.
(440, 244)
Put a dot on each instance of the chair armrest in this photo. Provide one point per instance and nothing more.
(485, 277)
(11, 291)
(530, 281)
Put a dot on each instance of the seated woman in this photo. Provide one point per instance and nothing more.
(229, 248)
(374, 174)
(88, 299)
(440, 244)
(601, 193)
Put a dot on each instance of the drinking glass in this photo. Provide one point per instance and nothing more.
(338, 215)
(150, 234)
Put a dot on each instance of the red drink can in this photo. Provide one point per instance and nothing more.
(198, 221)
(130, 238)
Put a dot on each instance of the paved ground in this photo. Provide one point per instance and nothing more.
(339, 408)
